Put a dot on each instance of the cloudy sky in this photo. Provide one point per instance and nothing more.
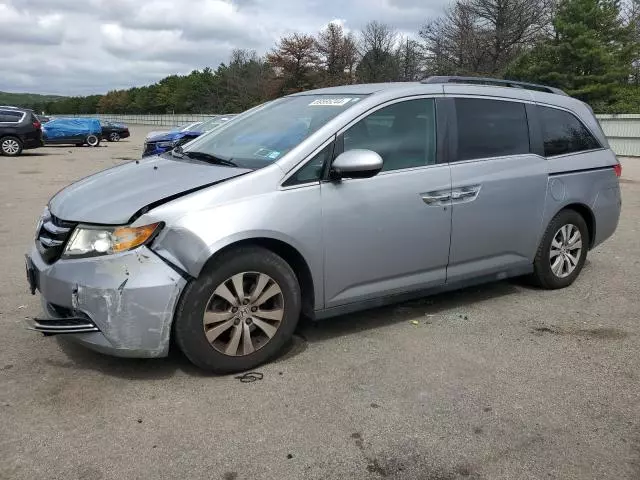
(73, 47)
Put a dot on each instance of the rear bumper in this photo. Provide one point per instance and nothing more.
(32, 141)
(122, 305)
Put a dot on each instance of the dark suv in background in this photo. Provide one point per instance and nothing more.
(20, 129)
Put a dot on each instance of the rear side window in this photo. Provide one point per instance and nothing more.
(10, 116)
(491, 128)
(563, 133)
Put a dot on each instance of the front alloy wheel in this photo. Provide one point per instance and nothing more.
(244, 313)
(114, 137)
(239, 312)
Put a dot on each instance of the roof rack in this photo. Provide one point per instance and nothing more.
(494, 81)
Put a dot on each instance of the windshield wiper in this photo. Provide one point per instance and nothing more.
(208, 157)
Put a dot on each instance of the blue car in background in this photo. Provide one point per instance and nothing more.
(163, 142)
(75, 131)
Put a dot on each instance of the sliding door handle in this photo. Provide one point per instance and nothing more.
(433, 199)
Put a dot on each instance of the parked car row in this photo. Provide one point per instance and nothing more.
(22, 129)
(163, 141)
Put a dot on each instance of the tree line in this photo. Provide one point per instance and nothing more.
(589, 48)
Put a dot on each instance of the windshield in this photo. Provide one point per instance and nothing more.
(277, 127)
(190, 126)
(212, 123)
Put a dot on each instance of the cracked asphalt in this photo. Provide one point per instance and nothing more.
(501, 381)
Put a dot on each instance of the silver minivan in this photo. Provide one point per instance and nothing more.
(319, 204)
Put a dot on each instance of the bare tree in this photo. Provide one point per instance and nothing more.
(631, 12)
(452, 42)
(410, 60)
(377, 59)
(484, 36)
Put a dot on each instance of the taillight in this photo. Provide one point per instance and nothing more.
(618, 169)
(37, 124)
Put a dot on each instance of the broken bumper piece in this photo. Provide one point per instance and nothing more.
(119, 304)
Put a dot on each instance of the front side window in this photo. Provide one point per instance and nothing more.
(267, 134)
(491, 128)
(312, 171)
(403, 134)
(563, 133)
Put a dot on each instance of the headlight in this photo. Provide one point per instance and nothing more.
(93, 241)
(45, 216)
(164, 144)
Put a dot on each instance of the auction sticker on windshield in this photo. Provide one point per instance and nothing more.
(330, 102)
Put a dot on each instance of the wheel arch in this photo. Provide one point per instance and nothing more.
(289, 254)
(585, 212)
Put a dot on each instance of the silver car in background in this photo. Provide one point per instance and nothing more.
(323, 203)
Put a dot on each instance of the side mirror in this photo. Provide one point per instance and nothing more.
(356, 164)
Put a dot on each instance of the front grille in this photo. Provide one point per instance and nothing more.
(52, 237)
(149, 148)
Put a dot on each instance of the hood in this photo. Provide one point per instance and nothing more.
(165, 137)
(155, 133)
(113, 196)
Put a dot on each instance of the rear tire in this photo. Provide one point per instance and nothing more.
(10, 146)
(93, 140)
(249, 328)
(562, 252)
(114, 137)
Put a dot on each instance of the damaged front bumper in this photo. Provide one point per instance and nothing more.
(123, 304)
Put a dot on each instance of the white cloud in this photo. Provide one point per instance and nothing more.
(76, 47)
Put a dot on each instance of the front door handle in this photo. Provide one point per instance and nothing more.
(434, 199)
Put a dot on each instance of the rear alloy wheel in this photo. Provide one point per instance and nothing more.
(10, 146)
(562, 252)
(239, 312)
(93, 140)
(114, 137)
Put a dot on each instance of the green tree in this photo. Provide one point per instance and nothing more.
(590, 54)
(337, 54)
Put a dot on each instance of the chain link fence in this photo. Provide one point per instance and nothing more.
(623, 131)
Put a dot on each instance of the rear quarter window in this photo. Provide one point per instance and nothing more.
(10, 116)
(563, 133)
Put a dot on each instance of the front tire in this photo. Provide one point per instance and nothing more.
(114, 137)
(10, 146)
(239, 312)
(562, 252)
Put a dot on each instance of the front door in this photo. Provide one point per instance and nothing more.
(390, 233)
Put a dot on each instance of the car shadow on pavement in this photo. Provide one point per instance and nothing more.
(454, 301)
(38, 154)
(129, 368)
(307, 332)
